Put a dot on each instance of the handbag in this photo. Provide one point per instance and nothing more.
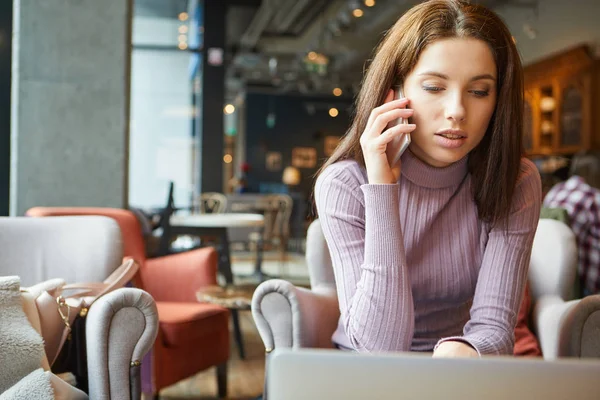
(62, 389)
(63, 309)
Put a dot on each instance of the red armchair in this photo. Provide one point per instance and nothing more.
(192, 336)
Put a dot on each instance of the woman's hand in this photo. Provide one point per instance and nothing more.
(454, 349)
(379, 132)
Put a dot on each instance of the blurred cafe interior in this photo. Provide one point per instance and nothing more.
(196, 128)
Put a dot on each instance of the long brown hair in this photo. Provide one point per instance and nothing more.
(495, 163)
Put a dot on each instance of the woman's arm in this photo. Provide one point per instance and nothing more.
(503, 272)
(363, 233)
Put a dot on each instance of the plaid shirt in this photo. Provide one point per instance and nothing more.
(582, 202)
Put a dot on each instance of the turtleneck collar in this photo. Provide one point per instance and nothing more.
(425, 175)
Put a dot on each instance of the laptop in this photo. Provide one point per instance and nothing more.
(334, 374)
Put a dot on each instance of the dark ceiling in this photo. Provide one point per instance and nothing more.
(267, 40)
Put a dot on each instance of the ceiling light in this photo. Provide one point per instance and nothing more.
(183, 29)
(333, 112)
(337, 91)
(369, 3)
(547, 104)
(229, 109)
(227, 159)
(182, 38)
(316, 62)
(358, 12)
(273, 65)
(547, 127)
(182, 45)
(183, 16)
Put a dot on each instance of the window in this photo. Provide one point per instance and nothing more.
(165, 102)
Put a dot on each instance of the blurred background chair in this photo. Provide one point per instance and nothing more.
(245, 238)
(277, 209)
(206, 203)
(192, 336)
(120, 326)
(290, 316)
(283, 203)
(211, 203)
(149, 224)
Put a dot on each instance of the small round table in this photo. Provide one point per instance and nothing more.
(233, 297)
(216, 225)
(237, 297)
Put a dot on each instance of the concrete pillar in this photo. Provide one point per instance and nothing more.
(70, 103)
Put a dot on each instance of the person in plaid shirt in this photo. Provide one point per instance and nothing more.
(580, 197)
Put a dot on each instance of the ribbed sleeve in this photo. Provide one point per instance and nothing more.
(363, 232)
(503, 272)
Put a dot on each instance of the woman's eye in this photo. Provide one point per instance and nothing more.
(432, 88)
(480, 93)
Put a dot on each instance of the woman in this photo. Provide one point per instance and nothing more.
(432, 253)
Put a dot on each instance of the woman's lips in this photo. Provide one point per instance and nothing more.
(450, 139)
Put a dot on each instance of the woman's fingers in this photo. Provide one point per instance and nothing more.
(387, 136)
(389, 105)
(376, 136)
(381, 121)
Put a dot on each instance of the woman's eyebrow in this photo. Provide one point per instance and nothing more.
(442, 76)
(433, 73)
(483, 76)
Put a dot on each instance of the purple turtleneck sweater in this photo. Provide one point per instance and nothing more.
(413, 263)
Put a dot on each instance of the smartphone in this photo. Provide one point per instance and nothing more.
(397, 146)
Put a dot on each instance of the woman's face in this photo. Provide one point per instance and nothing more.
(452, 90)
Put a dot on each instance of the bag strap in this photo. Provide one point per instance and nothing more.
(117, 279)
(51, 286)
(122, 275)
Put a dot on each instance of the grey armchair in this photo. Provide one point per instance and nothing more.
(565, 325)
(291, 317)
(121, 326)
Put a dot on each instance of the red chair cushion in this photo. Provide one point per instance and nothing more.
(526, 344)
(184, 323)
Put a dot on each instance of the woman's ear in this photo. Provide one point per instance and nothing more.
(389, 97)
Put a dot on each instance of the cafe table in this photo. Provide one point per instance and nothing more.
(216, 225)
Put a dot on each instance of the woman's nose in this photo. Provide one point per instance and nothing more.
(455, 108)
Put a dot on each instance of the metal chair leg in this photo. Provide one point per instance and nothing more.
(222, 380)
(237, 331)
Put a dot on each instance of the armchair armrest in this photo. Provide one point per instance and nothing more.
(568, 329)
(288, 316)
(177, 277)
(121, 328)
